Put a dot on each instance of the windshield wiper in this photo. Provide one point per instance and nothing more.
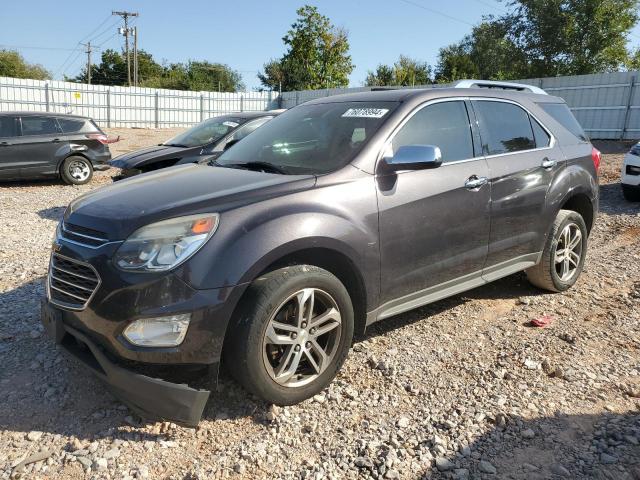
(266, 166)
(173, 145)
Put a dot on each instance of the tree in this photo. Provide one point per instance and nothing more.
(633, 62)
(12, 64)
(572, 37)
(317, 55)
(542, 38)
(488, 53)
(405, 72)
(193, 75)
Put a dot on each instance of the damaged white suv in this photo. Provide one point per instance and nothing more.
(631, 174)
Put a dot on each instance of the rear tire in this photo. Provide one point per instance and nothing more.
(76, 170)
(631, 194)
(560, 267)
(273, 351)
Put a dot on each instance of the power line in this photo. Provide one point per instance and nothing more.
(37, 48)
(95, 29)
(491, 5)
(437, 12)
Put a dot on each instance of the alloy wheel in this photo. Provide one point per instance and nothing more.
(302, 337)
(568, 252)
(79, 170)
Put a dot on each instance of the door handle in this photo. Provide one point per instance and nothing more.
(474, 182)
(549, 163)
(4, 144)
(55, 140)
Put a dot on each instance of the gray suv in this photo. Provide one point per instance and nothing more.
(339, 213)
(37, 145)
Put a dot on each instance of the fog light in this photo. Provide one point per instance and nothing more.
(159, 331)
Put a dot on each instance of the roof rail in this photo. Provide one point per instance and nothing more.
(520, 87)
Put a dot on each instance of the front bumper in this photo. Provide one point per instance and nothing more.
(630, 166)
(149, 397)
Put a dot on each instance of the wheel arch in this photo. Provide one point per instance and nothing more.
(580, 203)
(71, 154)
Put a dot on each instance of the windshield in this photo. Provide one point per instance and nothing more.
(312, 139)
(206, 132)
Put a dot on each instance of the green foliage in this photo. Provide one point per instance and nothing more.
(317, 55)
(405, 72)
(541, 38)
(12, 64)
(193, 75)
(633, 61)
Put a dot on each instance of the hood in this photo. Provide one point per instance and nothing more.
(148, 155)
(121, 208)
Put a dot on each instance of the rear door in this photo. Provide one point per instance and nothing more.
(522, 162)
(9, 164)
(40, 145)
(434, 227)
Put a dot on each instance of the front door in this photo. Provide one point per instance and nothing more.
(434, 224)
(39, 146)
(9, 164)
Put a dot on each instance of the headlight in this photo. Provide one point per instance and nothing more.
(165, 245)
(159, 331)
(635, 150)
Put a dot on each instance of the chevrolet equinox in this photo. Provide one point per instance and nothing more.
(336, 214)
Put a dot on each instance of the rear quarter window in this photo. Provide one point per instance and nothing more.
(77, 125)
(561, 114)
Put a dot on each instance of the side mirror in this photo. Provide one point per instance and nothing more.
(415, 157)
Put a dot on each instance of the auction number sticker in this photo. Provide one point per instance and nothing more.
(365, 112)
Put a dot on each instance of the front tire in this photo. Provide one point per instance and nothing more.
(76, 170)
(563, 255)
(292, 334)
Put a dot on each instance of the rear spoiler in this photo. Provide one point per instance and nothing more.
(520, 87)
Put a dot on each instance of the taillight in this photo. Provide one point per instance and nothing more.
(101, 137)
(596, 156)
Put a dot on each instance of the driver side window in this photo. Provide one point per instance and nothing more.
(445, 125)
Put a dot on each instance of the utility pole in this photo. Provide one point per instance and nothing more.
(126, 31)
(135, 56)
(88, 45)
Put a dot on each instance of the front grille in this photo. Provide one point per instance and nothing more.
(71, 284)
(83, 235)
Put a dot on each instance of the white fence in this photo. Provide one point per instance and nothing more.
(127, 107)
(607, 104)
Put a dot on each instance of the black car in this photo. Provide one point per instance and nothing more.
(37, 145)
(201, 143)
(341, 212)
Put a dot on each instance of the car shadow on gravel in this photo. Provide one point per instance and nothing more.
(600, 446)
(613, 203)
(52, 213)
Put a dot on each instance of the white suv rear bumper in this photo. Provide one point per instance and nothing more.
(628, 178)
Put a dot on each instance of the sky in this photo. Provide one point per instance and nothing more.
(243, 34)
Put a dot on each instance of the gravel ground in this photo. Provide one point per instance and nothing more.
(463, 388)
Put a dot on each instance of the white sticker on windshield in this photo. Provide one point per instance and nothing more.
(231, 124)
(365, 112)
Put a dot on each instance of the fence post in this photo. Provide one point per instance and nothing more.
(202, 107)
(108, 108)
(46, 95)
(157, 109)
(627, 114)
(297, 98)
(241, 103)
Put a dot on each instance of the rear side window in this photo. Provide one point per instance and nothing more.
(76, 125)
(542, 137)
(504, 127)
(561, 113)
(8, 127)
(39, 126)
(445, 125)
